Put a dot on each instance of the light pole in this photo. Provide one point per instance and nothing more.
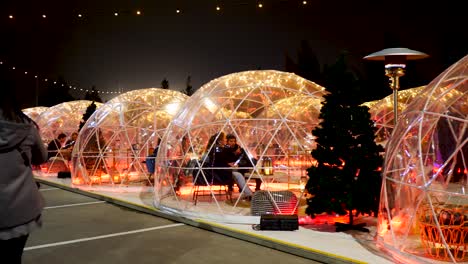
(395, 64)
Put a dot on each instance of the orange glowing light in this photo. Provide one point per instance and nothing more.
(185, 191)
(339, 166)
(396, 223)
(399, 223)
(323, 219)
(208, 188)
(78, 181)
(95, 179)
(383, 228)
(105, 178)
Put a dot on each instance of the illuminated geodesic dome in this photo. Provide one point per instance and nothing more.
(382, 111)
(113, 144)
(424, 204)
(62, 118)
(34, 112)
(271, 114)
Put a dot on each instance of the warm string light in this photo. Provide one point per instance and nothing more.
(218, 6)
(139, 12)
(2, 62)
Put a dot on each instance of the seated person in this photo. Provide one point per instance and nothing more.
(219, 158)
(55, 146)
(240, 157)
(151, 159)
(71, 142)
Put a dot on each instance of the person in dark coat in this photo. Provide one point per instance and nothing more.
(55, 146)
(240, 158)
(219, 157)
(151, 159)
(21, 203)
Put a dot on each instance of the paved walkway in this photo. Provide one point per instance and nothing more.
(81, 229)
(324, 247)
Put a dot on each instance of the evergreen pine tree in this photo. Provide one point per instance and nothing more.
(94, 144)
(89, 111)
(93, 95)
(189, 90)
(165, 84)
(347, 175)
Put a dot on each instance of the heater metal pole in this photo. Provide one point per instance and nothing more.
(395, 62)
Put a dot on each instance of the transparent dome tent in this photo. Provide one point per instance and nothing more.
(111, 149)
(423, 213)
(382, 111)
(62, 118)
(270, 113)
(34, 112)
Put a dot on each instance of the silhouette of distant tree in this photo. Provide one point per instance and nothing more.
(55, 92)
(188, 89)
(93, 95)
(165, 84)
(373, 84)
(307, 65)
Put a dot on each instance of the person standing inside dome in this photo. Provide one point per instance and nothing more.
(21, 204)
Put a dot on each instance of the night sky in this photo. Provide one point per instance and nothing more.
(130, 52)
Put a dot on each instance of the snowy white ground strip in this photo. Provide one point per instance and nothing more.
(340, 245)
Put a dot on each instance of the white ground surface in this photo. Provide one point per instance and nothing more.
(358, 248)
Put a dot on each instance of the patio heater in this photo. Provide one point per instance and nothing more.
(395, 64)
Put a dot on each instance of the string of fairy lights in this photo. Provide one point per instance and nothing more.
(12, 16)
(26, 73)
(217, 7)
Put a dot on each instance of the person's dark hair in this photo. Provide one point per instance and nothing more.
(9, 104)
(61, 135)
(230, 136)
(213, 141)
